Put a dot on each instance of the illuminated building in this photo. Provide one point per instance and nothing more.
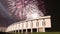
(2, 29)
(33, 25)
(30, 14)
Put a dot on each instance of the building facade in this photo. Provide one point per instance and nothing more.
(2, 29)
(33, 25)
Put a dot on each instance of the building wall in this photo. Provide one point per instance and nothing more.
(2, 29)
(42, 22)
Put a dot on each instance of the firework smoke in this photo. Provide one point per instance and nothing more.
(24, 9)
(32, 11)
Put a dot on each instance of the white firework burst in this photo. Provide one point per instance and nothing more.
(21, 9)
(32, 11)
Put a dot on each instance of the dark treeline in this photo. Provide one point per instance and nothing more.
(52, 8)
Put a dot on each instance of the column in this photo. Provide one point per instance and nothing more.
(22, 31)
(26, 26)
(31, 30)
(18, 31)
(37, 30)
(43, 25)
(22, 28)
(18, 27)
(31, 26)
(15, 27)
(26, 30)
(37, 24)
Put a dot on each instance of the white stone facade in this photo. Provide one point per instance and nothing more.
(2, 29)
(40, 24)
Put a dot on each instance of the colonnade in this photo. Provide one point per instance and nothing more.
(38, 24)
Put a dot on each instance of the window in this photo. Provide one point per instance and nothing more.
(31, 24)
(26, 25)
(43, 22)
(37, 23)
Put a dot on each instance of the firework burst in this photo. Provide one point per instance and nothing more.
(24, 9)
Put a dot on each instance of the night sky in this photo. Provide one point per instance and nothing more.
(52, 8)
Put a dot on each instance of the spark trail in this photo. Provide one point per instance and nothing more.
(24, 9)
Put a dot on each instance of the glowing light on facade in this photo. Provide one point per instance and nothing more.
(34, 16)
